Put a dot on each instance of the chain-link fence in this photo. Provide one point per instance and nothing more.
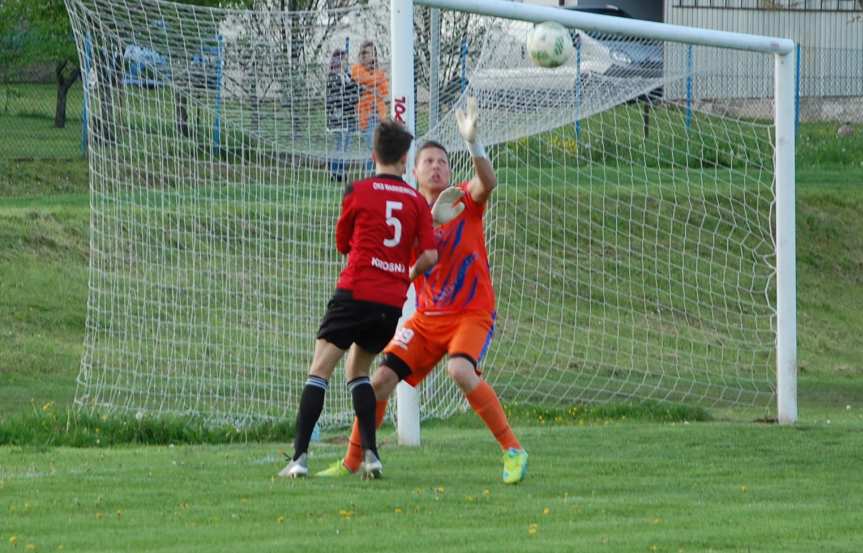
(829, 90)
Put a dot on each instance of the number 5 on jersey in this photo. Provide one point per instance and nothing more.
(395, 223)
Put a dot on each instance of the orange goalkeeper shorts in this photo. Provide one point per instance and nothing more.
(424, 339)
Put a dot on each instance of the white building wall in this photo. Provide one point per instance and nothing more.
(831, 43)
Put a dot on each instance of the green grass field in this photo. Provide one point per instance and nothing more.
(610, 480)
(604, 486)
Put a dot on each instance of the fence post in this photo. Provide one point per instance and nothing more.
(85, 75)
(217, 123)
(577, 86)
(797, 93)
(689, 86)
(463, 62)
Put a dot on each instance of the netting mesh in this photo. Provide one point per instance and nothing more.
(630, 234)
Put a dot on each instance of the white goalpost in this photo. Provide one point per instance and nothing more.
(784, 178)
(641, 236)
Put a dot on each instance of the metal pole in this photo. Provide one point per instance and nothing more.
(217, 123)
(577, 87)
(402, 48)
(689, 87)
(797, 92)
(434, 73)
(85, 116)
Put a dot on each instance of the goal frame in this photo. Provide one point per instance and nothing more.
(403, 109)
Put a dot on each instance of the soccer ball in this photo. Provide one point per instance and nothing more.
(549, 44)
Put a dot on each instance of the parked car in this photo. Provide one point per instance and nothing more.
(617, 56)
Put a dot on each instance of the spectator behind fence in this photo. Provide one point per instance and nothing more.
(342, 98)
(374, 90)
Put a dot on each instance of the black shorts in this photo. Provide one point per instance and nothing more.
(367, 324)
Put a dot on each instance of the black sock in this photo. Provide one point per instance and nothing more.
(364, 406)
(311, 405)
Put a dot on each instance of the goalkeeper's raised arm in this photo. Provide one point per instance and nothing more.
(484, 180)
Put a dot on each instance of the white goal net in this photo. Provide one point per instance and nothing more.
(630, 237)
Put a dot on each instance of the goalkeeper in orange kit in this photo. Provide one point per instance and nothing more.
(456, 302)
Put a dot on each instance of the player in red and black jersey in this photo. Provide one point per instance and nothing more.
(382, 223)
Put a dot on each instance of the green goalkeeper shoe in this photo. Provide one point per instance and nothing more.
(335, 470)
(514, 466)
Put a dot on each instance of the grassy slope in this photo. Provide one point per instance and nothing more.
(43, 279)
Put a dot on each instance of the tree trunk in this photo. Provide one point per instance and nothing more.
(182, 108)
(63, 85)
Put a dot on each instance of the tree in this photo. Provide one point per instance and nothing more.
(42, 32)
(34, 31)
(277, 34)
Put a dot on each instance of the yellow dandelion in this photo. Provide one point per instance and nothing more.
(346, 514)
(31, 547)
(744, 489)
(398, 509)
(653, 547)
(546, 511)
(486, 493)
(532, 529)
(13, 540)
(281, 519)
(439, 489)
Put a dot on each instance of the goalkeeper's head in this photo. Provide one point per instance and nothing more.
(390, 147)
(431, 168)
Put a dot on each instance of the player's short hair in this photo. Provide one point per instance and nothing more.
(430, 144)
(391, 141)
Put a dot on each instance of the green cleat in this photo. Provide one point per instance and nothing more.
(335, 470)
(514, 466)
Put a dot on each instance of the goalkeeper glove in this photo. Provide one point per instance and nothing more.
(447, 206)
(467, 128)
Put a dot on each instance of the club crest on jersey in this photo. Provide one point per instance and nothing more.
(403, 337)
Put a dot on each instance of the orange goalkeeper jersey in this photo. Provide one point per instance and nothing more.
(461, 280)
